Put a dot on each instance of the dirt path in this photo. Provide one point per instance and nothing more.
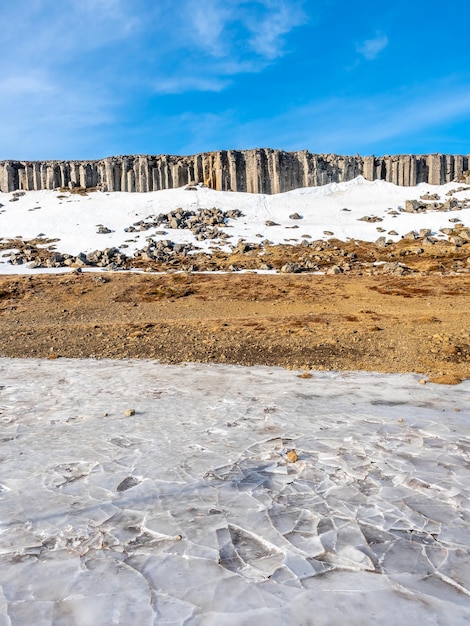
(376, 323)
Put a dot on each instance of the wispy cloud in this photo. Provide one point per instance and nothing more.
(402, 121)
(83, 78)
(207, 22)
(220, 39)
(394, 122)
(184, 84)
(25, 85)
(80, 64)
(267, 35)
(49, 33)
(371, 48)
(53, 85)
(235, 30)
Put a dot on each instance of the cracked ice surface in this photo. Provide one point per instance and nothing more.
(189, 512)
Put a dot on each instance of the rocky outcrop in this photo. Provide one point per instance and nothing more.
(256, 171)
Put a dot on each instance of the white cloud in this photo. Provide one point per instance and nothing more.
(50, 33)
(403, 121)
(266, 36)
(208, 20)
(219, 39)
(60, 73)
(233, 28)
(77, 66)
(371, 48)
(25, 85)
(183, 84)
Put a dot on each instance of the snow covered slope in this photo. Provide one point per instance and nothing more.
(336, 208)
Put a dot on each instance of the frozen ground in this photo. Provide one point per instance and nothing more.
(189, 512)
(74, 219)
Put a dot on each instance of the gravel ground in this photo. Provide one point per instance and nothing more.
(385, 323)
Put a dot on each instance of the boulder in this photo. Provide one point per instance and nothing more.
(290, 268)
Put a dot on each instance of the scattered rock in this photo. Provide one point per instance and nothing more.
(292, 456)
(334, 269)
(414, 206)
(450, 204)
(128, 483)
(290, 268)
(456, 240)
(103, 230)
(370, 218)
(395, 267)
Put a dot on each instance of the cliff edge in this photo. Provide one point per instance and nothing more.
(257, 171)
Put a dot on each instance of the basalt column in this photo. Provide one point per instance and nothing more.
(255, 171)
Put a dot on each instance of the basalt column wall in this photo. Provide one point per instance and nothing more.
(256, 171)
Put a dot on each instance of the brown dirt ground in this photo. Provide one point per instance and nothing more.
(384, 323)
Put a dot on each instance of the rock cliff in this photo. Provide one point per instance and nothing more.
(257, 171)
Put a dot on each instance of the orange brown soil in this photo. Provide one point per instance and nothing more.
(386, 323)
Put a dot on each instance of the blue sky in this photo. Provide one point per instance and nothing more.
(93, 78)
